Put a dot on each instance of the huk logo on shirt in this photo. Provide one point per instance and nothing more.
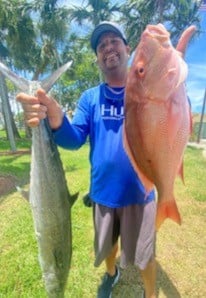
(112, 112)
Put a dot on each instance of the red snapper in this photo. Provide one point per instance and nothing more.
(157, 115)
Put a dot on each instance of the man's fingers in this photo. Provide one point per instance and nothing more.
(33, 113)
(185, 38)
(33, 122)
(38, 108)
(30, 115)
(24, 98)
(39, 98)
(44, 99)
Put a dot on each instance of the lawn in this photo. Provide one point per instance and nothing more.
(180, 250)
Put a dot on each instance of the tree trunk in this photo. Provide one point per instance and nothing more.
(7, 113)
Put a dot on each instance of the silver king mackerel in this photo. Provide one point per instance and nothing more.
(49, 196)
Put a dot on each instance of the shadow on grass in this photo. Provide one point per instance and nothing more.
(165, 284)
(14, 171)
(130, 284)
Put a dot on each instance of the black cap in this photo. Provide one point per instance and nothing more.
(106, 27)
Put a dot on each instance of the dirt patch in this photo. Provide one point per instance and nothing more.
(18, 152)
(7, 184)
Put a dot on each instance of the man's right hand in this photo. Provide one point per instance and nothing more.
(39, 107)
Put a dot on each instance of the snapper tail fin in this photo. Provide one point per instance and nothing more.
(167, 209)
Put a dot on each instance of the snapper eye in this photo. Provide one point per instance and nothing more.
(140, 71)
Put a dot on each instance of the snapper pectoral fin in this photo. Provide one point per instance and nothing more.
(148, 185)
(167, 209)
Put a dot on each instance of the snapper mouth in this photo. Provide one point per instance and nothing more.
(159, 33)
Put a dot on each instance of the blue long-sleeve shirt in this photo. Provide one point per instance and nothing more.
(114, 182)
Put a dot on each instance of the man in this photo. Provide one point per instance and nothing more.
(120, 206)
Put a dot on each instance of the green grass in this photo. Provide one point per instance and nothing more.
(179, 270)
(21, 143)
(20, 274)
(195, 174)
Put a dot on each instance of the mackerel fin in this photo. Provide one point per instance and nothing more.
(19, 82)
(47, 83)
(24, 85)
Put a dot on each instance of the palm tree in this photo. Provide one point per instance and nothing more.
(32, 35)
(94, 11)
(184, 14)
(52, 28)
(13, 24)
(176, 14)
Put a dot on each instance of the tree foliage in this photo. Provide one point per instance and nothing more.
(176, 15)
(33, 34)
(83, 74)
(37, 36)
(17, 33)
(94, 11)
(134, 15)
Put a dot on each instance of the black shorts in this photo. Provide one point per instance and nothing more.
(135, 224)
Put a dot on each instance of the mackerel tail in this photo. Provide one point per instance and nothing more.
(49, 196)
(25, 85)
